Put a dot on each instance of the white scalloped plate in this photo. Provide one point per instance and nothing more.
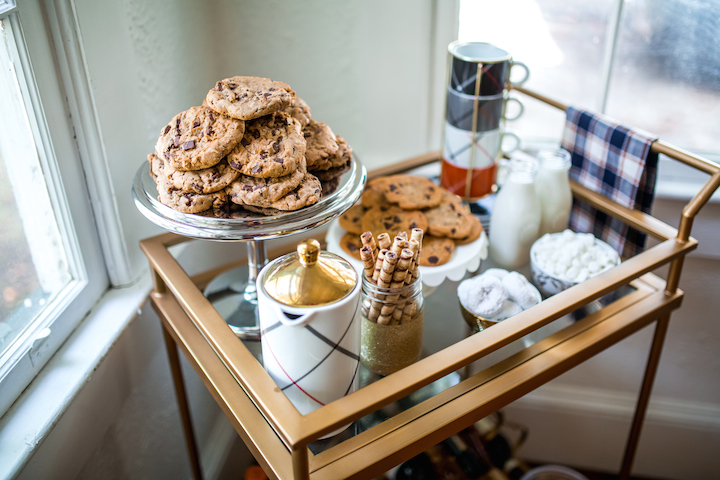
(465, 258)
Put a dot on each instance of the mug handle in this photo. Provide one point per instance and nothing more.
(516, 144)
(521, 107)
(292, 320)
(525, 77)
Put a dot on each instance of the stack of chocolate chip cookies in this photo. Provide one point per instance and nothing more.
(403, 202)
(252, 144)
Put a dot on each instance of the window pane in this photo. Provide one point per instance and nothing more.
(33, 265)
(666, 75)
(561, 42)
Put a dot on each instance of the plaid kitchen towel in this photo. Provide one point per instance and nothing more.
(617, 162)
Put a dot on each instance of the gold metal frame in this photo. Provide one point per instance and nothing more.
(278, 435)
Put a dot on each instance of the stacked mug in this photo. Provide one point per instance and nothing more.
(475, 114)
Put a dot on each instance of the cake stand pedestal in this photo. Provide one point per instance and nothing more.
(233, 293)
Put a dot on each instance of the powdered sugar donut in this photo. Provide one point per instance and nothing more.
(519, 290)
(483, 295)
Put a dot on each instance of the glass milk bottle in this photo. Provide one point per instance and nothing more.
(553, 190)
(515, 219)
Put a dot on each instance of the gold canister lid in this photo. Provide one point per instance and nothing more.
(310, 277)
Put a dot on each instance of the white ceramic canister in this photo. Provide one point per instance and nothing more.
(553, 189)
(515, 218)
(308, 305)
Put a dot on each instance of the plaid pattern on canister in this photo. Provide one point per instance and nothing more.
(617, 162)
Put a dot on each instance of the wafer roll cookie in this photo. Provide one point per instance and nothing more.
(403, 235)
(366, 255)
(408, 311)
(384, 280)
(417, 235)
(397, 245)
(383, 241)
(367, 239)
(378, 264)
(415, 247)
(398, 282)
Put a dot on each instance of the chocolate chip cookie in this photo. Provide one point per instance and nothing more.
(412, 192)
(262, 192)
(321, 145)
(351, 244)
(392, 220)
(307, 193)
(373, 195)
(207, 180)
(435, 251)
(351, 220)
(475, 231)
(272, 146)
(300, 111)
(198, 138)
(156, 166)
(449, 218)
(338, 159)
(188, 202)
(329, 186)
(246, 98)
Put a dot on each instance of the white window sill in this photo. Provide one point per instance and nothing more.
(24, 427)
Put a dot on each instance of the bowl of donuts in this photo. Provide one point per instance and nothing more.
(565, 259)
(495, 295)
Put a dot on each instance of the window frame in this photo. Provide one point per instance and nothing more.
(46, 102)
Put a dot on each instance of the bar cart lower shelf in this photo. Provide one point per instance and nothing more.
(283, 441)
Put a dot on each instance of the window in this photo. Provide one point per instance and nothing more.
(51, 266)
(651, 64)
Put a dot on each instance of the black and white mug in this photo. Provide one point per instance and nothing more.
(490, 111)
(482, 69)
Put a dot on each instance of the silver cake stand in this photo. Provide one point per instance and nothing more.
(233, 293)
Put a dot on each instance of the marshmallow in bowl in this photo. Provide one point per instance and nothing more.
(573, 256)
(519, 290)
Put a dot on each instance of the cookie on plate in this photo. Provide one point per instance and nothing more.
(300, 111)
(188, 202)
(329, 186)
(207, 180)
(272, 146)
(156, 166)
(449, 218)
(351, 220)
(351, 244)
(411, 192)
(435, 251)
(475, 231)
(246, 98)
(307, 193)
(338, 159)
(261, 192)
(198, 138)
(393, 220)
(321, 145)
(373, 195)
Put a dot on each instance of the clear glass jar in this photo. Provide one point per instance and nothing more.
(392, 326)
(553, 190)
(516, 214)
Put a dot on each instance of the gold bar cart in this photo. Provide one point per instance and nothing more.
(278, 436)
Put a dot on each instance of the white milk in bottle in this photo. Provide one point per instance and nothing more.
(553, 190)
(515, 218)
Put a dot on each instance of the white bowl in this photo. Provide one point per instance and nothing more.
(548, 283)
